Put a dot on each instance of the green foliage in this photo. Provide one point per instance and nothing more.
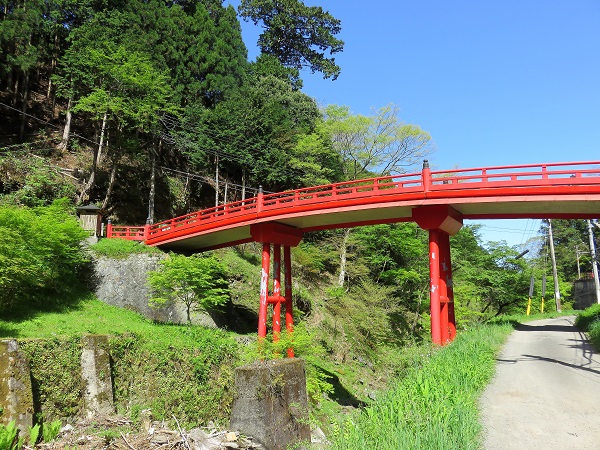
(298, 35)
(487, 281)
(34, 434)
(175, 370)
(32, 182)
(122, 248)
(435, 404)
(39, 252)
(378, 144)
(180, 370)
(588, 316)
(594, 333)
(199, 282)
(305, 346)
(50, 430)
(9, 437)
(53, 362)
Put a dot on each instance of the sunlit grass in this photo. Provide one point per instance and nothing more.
(435, 405)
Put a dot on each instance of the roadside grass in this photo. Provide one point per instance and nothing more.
(588, 321)
(436, 404)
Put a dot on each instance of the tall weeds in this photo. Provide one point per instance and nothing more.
(435, 405)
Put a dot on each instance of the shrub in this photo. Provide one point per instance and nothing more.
(39, 252)
(586, 317)
(198, 281)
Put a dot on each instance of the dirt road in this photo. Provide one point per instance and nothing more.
(546, 391)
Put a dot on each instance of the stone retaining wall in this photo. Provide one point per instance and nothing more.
(123, 283)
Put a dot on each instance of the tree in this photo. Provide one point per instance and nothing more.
(372, 145)
(488, 281)
(299, 36)
(379, 145)
(199, 282)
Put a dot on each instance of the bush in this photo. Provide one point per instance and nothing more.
(586, 317)
(40, 252)
(198, 281)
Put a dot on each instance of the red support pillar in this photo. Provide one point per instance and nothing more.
(264, 290)
(278, 235)
(289, 315)
(434, 285)
(450, 291)
(276, 292)
(442, 221)
(444, 248)
(109, 229)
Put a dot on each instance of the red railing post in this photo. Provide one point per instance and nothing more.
(109, 229)
(289, 314)
(426, 174)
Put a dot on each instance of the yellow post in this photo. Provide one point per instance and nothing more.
(542, 305)
(529, 306)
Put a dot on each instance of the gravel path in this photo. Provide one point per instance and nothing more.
(546, 391)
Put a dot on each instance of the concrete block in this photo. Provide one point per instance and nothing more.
(271, 403)
(16, 397)
(96, 375)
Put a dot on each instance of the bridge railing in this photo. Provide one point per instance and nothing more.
(517, 176)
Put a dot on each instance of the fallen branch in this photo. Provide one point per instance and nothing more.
(185, 442)
(128, 444)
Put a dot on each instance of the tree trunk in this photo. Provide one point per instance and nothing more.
(97, 150)
(217, 181)
(243, 184)
(102, 136)
(83, 195)
(343, 256)
(67, 130)
(24, 106)
(111, 182)
(151, 196)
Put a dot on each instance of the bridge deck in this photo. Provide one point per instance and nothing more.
(559, 190)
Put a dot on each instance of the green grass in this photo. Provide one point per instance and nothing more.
(121, 248)
(588, 321)
(173, 370)
(435, 406)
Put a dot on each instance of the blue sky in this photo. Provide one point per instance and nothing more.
(494, 82)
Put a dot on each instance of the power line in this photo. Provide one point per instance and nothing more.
(46, 122)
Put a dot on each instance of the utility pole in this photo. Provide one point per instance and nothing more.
(594, 265)
(554, 273)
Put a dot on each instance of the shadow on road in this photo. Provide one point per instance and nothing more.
(561, 328)
(562, 363)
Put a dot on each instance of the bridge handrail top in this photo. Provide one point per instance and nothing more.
(518, 166)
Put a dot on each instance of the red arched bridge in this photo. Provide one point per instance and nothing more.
(437, 201)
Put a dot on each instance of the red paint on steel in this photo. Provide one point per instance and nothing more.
(276, 233)
(289, 315)
(276, 291)
(460, 186)
(434, 290)
(450, 290)
(444, 246)
(264, 290)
